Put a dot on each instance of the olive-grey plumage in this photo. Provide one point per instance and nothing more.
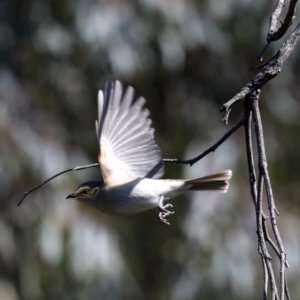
(131, 162)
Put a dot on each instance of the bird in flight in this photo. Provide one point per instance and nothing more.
(131, 163)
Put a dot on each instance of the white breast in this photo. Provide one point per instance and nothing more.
(138, 195)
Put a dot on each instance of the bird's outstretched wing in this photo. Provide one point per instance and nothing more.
(126, 140)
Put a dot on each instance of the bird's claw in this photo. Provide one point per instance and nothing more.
(163, 211)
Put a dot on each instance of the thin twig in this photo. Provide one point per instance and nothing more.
(266, 279)
(264, 49)
(66, 171)
(211, 149)
(229, 104)
(286, 289)
(248, 138)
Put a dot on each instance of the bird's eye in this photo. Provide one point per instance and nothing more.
(84, 192)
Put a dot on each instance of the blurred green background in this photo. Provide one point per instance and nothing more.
(186, 58)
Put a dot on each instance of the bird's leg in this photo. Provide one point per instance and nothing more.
(163, 211)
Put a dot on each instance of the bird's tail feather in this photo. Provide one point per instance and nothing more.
(215, 182)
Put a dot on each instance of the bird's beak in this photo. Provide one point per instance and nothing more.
(71, 196)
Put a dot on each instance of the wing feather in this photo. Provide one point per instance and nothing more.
(126, 122)
(131, 138)
(126, 140)
(130, 127)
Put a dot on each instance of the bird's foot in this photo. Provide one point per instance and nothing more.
(163, 210)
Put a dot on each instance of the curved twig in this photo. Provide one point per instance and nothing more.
(211, 149)
(63, 172)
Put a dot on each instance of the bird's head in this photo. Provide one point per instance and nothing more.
(87, 191)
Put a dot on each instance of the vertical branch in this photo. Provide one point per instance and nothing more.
(261, 238)
(264, 171)
(253, 188)
(257, 196)
(249, 150)
(282, 275)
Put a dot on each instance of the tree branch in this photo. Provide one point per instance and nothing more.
(257, 195)
(262, 249)
(262, 163)
(273, 34)
(270, 70)
(250, 93)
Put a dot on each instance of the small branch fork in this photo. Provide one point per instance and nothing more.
(269, 71)
(276, 34)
